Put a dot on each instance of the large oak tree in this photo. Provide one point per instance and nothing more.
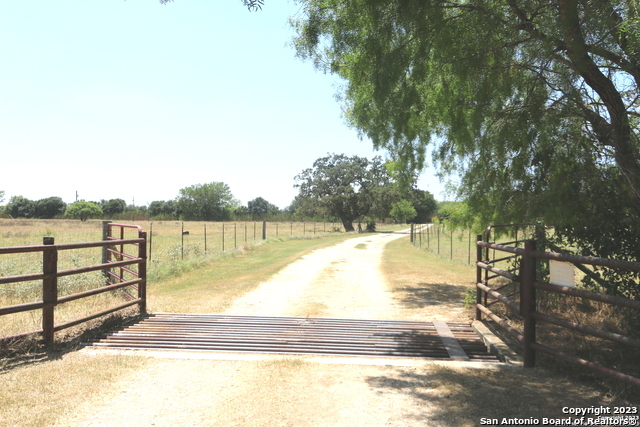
(349, 188)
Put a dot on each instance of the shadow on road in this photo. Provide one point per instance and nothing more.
(428, 294)
(462, 396)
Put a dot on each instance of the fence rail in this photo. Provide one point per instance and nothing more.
(51, 272)
(527, 307)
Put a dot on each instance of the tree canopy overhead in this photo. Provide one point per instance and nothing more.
(533, 104)
(528, 101)
(252, 5)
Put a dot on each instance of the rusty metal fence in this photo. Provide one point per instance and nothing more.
(519, 292)
(122, 267)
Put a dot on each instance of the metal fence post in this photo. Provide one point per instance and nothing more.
(49, 288)
(142, 272)
(528, 302)
(478, 277)
(106, 233)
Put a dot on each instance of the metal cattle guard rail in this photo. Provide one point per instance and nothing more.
(50, 274)
(527, 306)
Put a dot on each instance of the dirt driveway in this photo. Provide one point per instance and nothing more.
(188, 389)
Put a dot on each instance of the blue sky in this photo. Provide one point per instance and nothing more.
(135, 100)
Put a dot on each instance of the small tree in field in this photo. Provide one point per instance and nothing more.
(206, 202)
(403, 211)
(20, 207)
(83, 210)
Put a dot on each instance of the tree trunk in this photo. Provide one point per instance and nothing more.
(348, 224)
(620, 138)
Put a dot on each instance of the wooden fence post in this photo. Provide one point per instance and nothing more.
(411, 239)
(264, 230)
(49, 288)
(528, 302)
(478, 277)
(142, 272)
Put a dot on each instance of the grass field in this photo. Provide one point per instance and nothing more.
(456, 245)
(170, 254)
(42, 387)
(51, 384)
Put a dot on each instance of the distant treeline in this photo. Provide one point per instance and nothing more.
(56, 208)
(337, 188)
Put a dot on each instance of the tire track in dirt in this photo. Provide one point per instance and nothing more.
(340, 281)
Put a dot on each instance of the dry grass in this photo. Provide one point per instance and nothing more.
(610, 354)
(292, 391)
(430, 287)
(41, 386)
(425, 286)
(170, 255)
(456, 245)
(41, 392)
